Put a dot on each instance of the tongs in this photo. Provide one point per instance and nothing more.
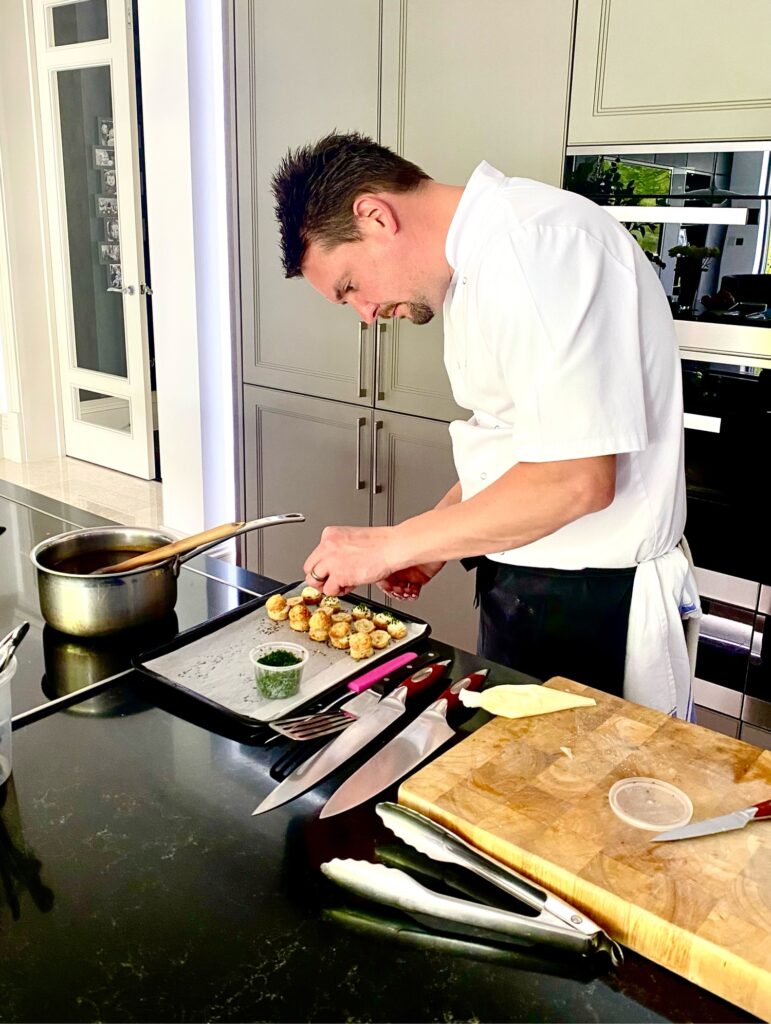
(556, 924)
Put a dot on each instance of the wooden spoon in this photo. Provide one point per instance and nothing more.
(178, 547)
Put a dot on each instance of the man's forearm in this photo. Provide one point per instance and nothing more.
(453, 496)
(530, 501)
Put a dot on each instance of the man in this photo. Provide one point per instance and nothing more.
(558, 336)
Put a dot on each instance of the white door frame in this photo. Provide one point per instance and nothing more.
(130, 452)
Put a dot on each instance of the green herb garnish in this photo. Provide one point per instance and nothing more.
(279, 658)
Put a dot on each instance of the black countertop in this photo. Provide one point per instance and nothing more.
(136, 885)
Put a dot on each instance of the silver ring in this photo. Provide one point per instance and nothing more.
(318, 579)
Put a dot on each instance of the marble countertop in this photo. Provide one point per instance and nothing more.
(137, 886)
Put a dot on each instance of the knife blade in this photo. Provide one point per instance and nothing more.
(712, 826)
(405, 752)
(356, 736)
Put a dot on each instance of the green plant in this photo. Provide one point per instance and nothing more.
(701, 253)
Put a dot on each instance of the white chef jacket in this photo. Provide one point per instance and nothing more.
(559, 338)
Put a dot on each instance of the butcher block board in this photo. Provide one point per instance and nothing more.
(700, 907)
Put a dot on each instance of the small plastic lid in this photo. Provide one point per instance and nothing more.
(650, 804)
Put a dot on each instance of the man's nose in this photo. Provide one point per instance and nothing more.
(367, 310)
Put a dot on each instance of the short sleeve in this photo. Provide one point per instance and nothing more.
(562, 320)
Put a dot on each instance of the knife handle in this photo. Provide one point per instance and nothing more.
(424, 678)
(763, 810)
(376, 674)
(472, 682)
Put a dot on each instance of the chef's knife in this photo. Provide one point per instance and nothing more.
(407, 750)
(356, 736)
(711, 826)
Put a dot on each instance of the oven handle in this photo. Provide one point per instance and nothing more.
(694, 421)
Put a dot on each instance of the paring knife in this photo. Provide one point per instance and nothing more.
(356, 736)
(398, 671)
(357, 686)
(711, 826)
(407, 750)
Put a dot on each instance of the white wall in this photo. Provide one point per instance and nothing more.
(182, 82)
(30, 425)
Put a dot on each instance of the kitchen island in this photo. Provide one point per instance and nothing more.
(137, 886)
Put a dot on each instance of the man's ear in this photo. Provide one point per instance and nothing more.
(375, 214)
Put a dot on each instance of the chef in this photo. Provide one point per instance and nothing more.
(570, 498)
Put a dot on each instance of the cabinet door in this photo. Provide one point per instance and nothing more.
(412, 469)
(692, 71)
(465, 82)
(302, 455)
(302, 69)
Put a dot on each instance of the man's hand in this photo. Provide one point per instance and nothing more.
(349, 556)
(406, 584)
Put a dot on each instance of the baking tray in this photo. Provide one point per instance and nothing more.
(211, 661)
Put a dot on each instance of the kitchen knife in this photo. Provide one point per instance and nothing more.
(366, 699)
(358, 686)
(711, 826)
(407, 750)
(356, 736)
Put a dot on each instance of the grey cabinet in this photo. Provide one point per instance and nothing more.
(298, 77)
(445, 82)
(692, 71)
(302, 455)
(339, 464)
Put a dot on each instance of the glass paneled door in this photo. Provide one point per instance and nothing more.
(86, 75)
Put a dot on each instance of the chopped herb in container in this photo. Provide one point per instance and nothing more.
(278, 669)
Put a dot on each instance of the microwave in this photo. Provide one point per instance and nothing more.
(702, 215)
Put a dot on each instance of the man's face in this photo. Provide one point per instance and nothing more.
(374, 278)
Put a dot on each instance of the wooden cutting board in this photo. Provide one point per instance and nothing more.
(700, 907)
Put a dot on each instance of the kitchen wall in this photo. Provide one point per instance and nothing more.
(30, 423)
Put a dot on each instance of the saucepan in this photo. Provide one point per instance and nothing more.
(79, 598)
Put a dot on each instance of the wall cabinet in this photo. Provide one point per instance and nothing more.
(691, 71)
(338, 463)
(445, 82)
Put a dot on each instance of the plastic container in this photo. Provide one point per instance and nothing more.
(5, 720)
(650, 804)
(275, 682)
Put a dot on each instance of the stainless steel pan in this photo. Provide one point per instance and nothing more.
(82, 604)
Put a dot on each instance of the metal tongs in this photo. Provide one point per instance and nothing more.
(557, 924)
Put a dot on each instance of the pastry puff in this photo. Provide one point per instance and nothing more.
(298, 618)
(277, 608)
(310, 595)
(360, 646)
(397, 630)
(379, 639)
(364, 625)
(318, 626)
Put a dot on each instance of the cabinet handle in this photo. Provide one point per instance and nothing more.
(376, 487)
(360, 367)
(379, 332)
(359, 483)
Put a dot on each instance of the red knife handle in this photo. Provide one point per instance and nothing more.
(376, 674)
(425, 677)
(764, 810)
(472, 682)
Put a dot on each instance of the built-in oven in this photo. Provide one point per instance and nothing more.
(702, 218)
